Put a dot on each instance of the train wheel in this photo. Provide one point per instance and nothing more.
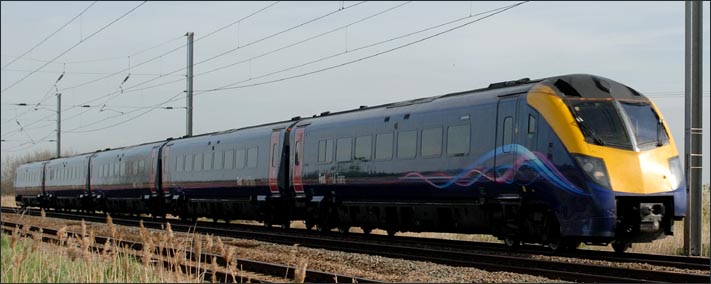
(344, 229)
(554, 241)
(267, 224)
(321, 229)
(286, 225)
(309, 225)
(391, 233)
(573, 245)
(620, 247)
(366, 230)
(512, 242)
(556, 245)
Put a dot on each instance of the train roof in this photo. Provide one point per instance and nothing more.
(571, 85)
(493, 91)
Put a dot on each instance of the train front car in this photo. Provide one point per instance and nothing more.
(625, 161)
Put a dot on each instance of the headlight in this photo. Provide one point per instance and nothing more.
(594, 168)
(676, 176)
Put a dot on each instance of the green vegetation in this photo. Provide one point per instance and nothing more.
(28, 260)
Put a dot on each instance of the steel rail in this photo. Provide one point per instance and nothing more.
(392, 247)
(269, 269)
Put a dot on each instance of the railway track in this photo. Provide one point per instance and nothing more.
(249, 270)
(458, 253)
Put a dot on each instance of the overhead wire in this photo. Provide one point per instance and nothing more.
(80, 73)
(493, 12)
(132, 88)
(77, 44)
(304, 40)
(150, 109)
(248, 44)
(163, 54)
(157, 57)
(232, 85)
(48, 37)
(45, 96)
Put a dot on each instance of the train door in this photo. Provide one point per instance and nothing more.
(506, 147)
(527, 137)
(154, 170)
(274, 159)
(298, 161)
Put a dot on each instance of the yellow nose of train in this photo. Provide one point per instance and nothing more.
(639, 171)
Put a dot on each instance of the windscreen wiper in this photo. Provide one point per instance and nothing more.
(585, 129)
(590, 132)
(660, 130)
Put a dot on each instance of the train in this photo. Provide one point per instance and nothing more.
(557, 161)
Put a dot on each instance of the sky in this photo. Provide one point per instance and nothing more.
(122, 64)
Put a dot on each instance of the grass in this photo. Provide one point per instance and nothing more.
(671, 245)
(30, 261)
(8, 201)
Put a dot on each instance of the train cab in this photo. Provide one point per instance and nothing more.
(622, 144)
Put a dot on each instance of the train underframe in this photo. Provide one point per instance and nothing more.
(509, 218)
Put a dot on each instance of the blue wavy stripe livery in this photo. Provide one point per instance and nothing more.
(536, 161)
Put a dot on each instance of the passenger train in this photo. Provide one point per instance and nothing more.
(557, 161)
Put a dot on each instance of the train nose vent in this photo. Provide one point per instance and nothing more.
(650, 216)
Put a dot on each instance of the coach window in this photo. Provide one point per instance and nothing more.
(241, 158)
(431, 142)
(188, 163)
(122, 169)
(197, 162)
(363, 147)
(322, 151)
(252, 157)
(218, 160)
(275, 156)
(179, 162)
(207, 161)
(141, 166)
(458, 140)
(230, 159)
(343, 149)
(325, 151)
(384, 146)
(406, 144)
(508, 134)
(531, 124)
